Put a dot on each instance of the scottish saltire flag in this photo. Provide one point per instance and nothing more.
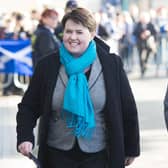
(16, 57)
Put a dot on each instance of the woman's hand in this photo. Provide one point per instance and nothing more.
(129, 160)
(25, 148)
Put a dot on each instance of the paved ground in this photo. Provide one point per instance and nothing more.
(149, 94)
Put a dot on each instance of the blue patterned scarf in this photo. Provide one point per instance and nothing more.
(77, 105)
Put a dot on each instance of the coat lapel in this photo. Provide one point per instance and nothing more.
(53, 73)
(105, 63)
(63, 75)
(95, 72)
(109, 70)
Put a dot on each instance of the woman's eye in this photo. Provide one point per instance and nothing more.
(79, 32)
(68, 31)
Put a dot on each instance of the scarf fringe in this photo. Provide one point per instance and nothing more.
(79, 127)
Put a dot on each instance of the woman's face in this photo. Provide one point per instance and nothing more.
(76, 37)
(50, 21)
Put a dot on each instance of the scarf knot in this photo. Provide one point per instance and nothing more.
(77, 108)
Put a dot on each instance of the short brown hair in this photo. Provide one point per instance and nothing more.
(81, 15)
(49, 12)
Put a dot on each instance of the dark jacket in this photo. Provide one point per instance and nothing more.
(120, 110)
(139, 29)
(43, 43)
(166, 108)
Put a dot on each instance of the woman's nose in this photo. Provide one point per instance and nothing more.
(73, 35)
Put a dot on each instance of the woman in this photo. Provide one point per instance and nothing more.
(145, 34)
(88, 116)
(44, 40)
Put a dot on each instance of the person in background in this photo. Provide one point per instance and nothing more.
(88, 115)
(145, 34)
(166, 108)
(69, 6)
(126, 42)
(35, 17)
(19, 32)
(44, 40)
(101, 29)
(162, 25)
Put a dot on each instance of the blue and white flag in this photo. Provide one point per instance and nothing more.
(16, 57)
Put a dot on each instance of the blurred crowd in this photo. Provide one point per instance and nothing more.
(143, 32)
(127, 32)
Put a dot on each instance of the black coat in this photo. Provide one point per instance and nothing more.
(43, 43)
(139, 29)
(166, 108)
(120, 109)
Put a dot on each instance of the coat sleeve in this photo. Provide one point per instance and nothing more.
(29, 108)
(130, 116)
(166, 108)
